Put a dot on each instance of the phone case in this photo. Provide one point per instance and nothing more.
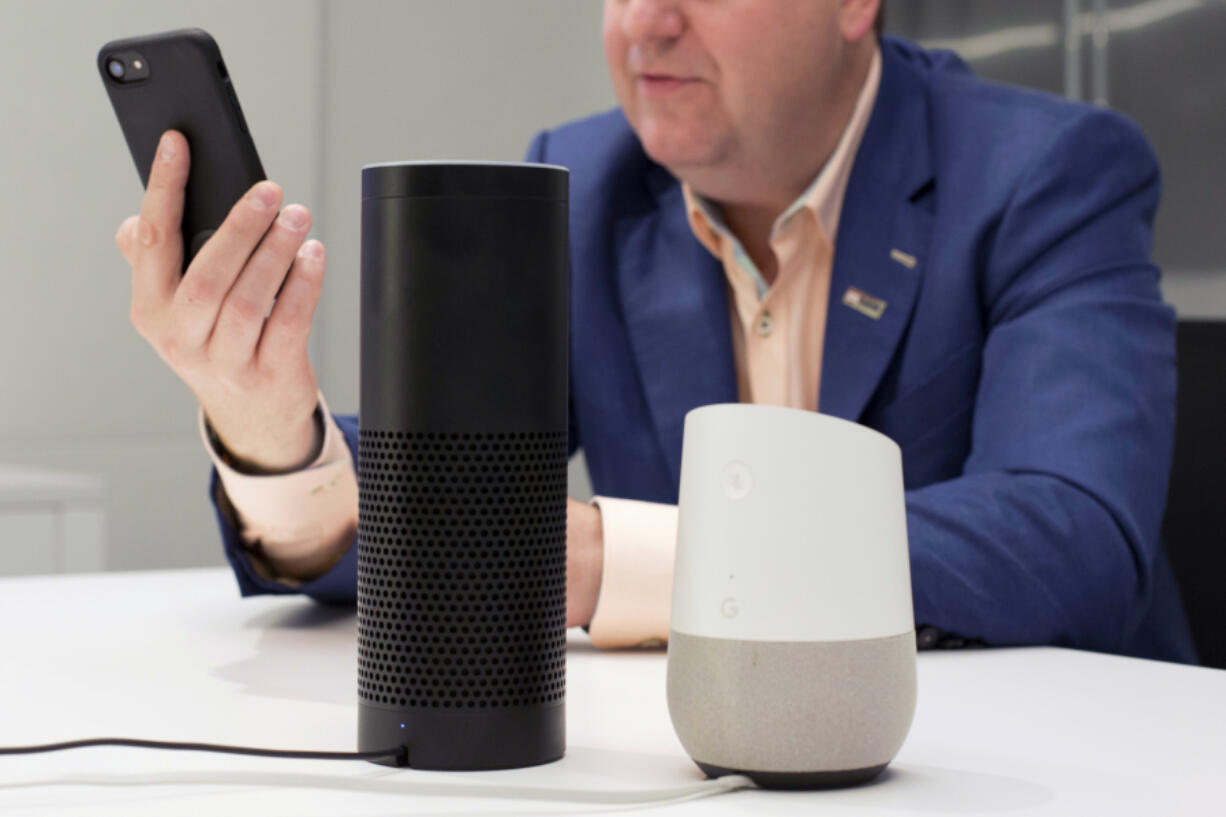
(186, 88)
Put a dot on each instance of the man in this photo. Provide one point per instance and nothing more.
(785, 210)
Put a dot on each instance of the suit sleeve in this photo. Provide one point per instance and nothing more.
(1051, 533)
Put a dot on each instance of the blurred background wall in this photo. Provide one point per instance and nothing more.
(330, 86)
(1159, 61)
(326, 87)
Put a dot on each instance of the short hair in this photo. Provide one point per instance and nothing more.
(879, 23)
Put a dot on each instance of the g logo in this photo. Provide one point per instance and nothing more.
(728, 608)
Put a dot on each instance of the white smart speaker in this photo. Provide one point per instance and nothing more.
(791, 654)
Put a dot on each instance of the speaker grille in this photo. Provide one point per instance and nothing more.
(461, 569)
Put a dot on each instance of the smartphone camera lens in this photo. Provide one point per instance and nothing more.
(115, 68)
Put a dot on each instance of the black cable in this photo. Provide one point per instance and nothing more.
(399, 753)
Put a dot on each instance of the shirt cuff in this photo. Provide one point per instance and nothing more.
(636, 588)
(301, 522)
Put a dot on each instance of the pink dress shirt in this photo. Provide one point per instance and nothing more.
(307, 519)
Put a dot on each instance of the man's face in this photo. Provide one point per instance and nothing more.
(716, 83)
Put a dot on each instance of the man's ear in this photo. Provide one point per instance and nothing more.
(857, 18)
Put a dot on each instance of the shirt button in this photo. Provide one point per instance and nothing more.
(765, 324)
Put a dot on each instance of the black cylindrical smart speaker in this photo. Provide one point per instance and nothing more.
(462, 463)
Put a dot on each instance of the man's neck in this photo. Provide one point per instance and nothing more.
(751, 224)
(750, 217)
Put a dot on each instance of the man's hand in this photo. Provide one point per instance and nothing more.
(584, 561)
(251, 376)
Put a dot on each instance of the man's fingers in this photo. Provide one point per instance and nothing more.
(158, 252)
(219, 262)
(241, 319)
(284, 341)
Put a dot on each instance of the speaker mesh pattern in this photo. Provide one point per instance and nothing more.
(461, 569)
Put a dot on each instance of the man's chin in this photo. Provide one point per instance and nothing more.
(678, 146)
(679, 155)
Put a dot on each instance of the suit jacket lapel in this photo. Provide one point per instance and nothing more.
(675, 303)
(882, 242)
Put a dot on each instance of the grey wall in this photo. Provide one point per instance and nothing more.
(81, 391)
(326, 87)
(1158, 61)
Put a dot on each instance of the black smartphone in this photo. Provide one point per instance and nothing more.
(178, 80)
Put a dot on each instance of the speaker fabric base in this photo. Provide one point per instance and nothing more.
(792, 707)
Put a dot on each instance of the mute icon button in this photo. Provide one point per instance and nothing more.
(737, 480)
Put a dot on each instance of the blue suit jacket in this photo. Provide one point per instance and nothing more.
(1025, 363)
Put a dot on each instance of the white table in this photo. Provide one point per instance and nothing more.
(176, 655)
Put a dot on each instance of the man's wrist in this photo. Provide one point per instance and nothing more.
(638, 542)
(249, 468)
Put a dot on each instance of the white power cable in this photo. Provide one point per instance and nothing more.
(381, 785)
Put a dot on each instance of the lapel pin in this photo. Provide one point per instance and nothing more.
(906, 259)
(864, 303)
